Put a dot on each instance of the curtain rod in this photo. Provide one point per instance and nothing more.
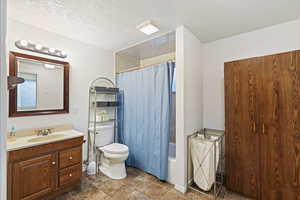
(144, 66)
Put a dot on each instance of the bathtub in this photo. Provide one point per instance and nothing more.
(172, 163)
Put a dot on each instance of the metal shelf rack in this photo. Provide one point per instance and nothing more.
(102, 97)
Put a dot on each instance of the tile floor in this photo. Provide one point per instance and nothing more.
(137, 186)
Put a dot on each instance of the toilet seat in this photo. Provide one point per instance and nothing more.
(115, 148)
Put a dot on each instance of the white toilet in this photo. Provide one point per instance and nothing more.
(112, 161)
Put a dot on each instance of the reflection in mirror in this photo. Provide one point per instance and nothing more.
(43, 88)
(26, 97)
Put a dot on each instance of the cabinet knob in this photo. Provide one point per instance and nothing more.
(70, 157)
(53, 163)
(70, 175)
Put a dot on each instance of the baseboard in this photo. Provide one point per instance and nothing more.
(181, 188)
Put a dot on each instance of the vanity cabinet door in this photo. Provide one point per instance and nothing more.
(34, 178)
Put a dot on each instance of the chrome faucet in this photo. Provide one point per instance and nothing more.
(44, 132)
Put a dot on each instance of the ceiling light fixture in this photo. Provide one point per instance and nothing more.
(147, 27)
(38, 48)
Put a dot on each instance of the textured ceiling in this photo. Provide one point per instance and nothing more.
(110, 24)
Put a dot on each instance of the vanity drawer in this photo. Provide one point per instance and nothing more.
(70, 157)
(70, 175)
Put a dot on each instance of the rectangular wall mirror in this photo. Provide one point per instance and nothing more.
(45, 89)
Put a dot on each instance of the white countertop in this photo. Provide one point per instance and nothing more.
(24, 142)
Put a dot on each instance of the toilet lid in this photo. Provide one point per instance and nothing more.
(115, 148)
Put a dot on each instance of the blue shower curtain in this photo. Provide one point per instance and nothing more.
(144, 117)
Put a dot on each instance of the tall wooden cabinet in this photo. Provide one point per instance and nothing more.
(262, 111)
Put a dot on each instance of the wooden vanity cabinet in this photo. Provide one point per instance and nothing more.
(44, 171)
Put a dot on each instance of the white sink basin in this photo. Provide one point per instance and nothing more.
(45, 138)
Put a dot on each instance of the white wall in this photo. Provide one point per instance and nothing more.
(3, 98)
(188, 98)
(275, 39)
(86, 63)
(193, 83)
(180, 166)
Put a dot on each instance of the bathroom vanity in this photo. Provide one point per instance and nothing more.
(41, 167)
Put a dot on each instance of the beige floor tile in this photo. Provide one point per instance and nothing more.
(110, 186)
(130, 179)
(141, 183)
(148, 176)
(155, 191)
(164, 184)
(138, 185)
(136, 195)
(123, 193)
(193, 195)
(88, 193)
(97, 195)
(173, 195)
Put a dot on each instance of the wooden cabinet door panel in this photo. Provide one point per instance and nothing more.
(34, 178)
(70, 157)
(242, 103)
(280, 143)
(70, 175)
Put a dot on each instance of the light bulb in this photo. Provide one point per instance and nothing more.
(52, 50)
(23, 43)
(38, 47)
(63, 53)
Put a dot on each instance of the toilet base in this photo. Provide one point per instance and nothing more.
(114, 170)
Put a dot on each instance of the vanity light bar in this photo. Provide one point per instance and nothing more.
(25, 45)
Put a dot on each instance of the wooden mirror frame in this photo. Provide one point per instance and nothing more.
(13, 71)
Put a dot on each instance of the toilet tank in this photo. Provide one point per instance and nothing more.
(105, 135)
